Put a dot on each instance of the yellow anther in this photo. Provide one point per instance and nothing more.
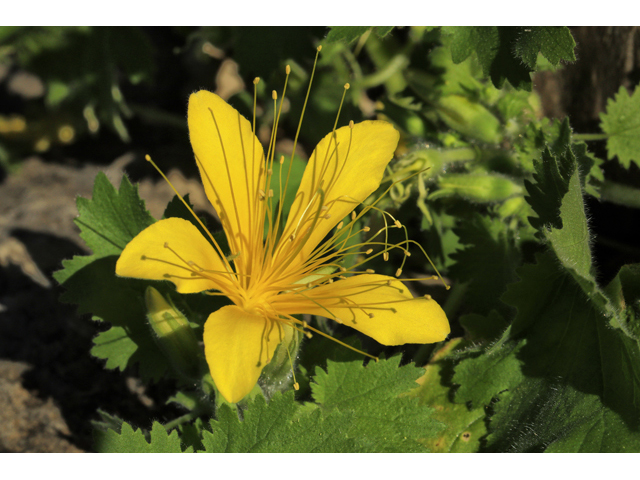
(327, 216)
(261, 194)
(324, 208)
(281, 159)
(287, 69)
(369, 252)
(371, 315)
(347, 86)
(147, 158)
(398, 272)
(319, 47)
(398, 224)
(340, 225)
(292, 237)
(353, 216)
(270, 193)
(428, 297)
(366, 229)
(256, 80)
(296, 386)
(351, 124)
(370, 270)
(385, 256)
(330, 280)
(407, 253)
(270, 171)
(343, 270)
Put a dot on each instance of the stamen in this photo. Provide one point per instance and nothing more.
(385, 256)
(370, 270)
(369, 252)
(398, 272)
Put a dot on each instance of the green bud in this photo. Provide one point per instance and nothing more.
(278, 374)
(483, 188)
(469, 118)
(173, 333)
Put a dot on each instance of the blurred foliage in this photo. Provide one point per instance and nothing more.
(543, 357)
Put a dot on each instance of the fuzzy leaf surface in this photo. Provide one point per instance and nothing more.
(510, 53)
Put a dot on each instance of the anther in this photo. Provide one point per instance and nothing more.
(370, 270)
(319, 47)
(353, 216)
(270, 171)
(343, 270)
(143, 257)
(281, 159)
(398, 224)
(166, 275)
(256, 80)
(347, 86)
(371, 315)
(407, 253)
(339, 227)
(261, 194)
(292, 237)
(147, 158)
(369, 252)
(274, 94)
(330, 280)
(166, 244)
(427, 296)
(366, 229)
(270, 193)
(398, 272)
(385, 256)
(296, 386)
(287, 69)
(324, 208)
(327, 216)
(351, 123)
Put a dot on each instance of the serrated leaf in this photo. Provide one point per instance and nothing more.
(360, 409)
(108, 221)
(509, 53)
(111, 218)
(382, 421)
(562, 379)
(621, 122)
(465, 427)
(135, 441)
(487, 262)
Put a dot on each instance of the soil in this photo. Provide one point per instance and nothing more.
(50, 385)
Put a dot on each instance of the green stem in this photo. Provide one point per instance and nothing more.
(589, 137)
(620, 194)
(183, 419)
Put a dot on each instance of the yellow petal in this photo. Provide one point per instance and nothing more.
(229, 157)
(163, 251)
(237, 346)
(346, 175)
(397, 318)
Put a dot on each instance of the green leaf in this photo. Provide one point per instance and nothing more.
(129, 440)
(111, 218)
(360, 409)
(510, 53)
(382, 420)
(107, 222)
(621, 122)
(487, 262)
(465, 426)
(348, 34)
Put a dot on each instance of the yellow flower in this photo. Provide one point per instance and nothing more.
(292, 270)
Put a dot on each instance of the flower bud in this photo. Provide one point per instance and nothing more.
(172, 333)
(469, 118)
